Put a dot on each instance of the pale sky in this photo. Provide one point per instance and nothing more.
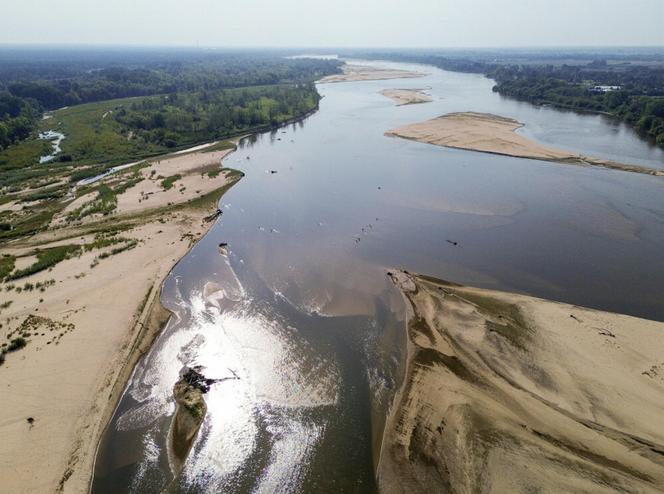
(335, 23)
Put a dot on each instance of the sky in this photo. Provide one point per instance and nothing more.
(335, 23)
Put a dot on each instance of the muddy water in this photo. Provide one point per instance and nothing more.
(302, 312)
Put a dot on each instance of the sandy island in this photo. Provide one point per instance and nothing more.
(494, 134)
(406, 96)
(98, 312)
(354, 72)
(510, 393)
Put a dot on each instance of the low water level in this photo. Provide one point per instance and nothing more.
(301, 309)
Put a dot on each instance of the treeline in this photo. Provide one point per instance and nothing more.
(639, 101)
(180, 118)
(18, 117)
(564, 79)
(40, 81)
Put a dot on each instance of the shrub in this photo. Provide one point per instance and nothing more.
(16, 344)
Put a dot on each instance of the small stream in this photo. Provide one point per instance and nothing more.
(56, 138)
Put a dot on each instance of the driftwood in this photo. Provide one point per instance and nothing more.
(213, 216)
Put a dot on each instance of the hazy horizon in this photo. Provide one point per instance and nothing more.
(475, 24)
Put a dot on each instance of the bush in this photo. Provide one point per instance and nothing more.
(16, 344)
(168, 182)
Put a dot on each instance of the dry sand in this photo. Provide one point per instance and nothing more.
(509, 393)
(98, 321)
(494, 134)
(406, 96)
(353, 72)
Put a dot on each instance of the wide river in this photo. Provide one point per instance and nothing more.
(302, 311)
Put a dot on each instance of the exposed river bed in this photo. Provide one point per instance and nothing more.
(301, 309)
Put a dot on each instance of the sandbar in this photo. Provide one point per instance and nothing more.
(494, 134)
(511, 393)
(406, 96)
(355, 72)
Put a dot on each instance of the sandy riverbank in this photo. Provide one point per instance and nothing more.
(93, 322)
(509, 393)
(494, 134)
(406, 96)
(355, 72)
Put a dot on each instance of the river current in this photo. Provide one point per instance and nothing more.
(301, 309)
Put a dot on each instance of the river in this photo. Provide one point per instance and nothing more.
(302, 311)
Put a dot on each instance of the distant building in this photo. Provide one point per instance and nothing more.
(604, 89)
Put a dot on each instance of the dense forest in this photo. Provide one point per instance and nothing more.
(567, 80)
(180, 118)
(32, 82)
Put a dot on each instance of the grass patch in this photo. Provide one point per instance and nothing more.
(46, 259)
(28, 225)
(7, 263)
(104, 204)
(129, 245)
(168, 182)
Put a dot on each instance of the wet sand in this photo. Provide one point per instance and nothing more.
(523, 395)
(495, 134)
(354, 72)
(406, 96)
(99, 317)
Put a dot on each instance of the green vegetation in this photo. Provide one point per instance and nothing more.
(16, 344)
(17, 118)
(6, 265)
(180, 119)
(168, 182)
(128, 246)
(37, 81)
(121, 112)
(104, 204)
(46, 258)
(635, 96)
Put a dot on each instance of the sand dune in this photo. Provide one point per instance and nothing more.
(509, 393)
(494, 134)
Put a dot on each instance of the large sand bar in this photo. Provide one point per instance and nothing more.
(510, 393)
(494, 134)
(354, 72)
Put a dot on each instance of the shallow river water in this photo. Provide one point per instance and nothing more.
(302, 312)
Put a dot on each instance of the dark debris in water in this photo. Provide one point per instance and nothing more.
(194, 378)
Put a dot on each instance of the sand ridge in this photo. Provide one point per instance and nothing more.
(510, 393)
